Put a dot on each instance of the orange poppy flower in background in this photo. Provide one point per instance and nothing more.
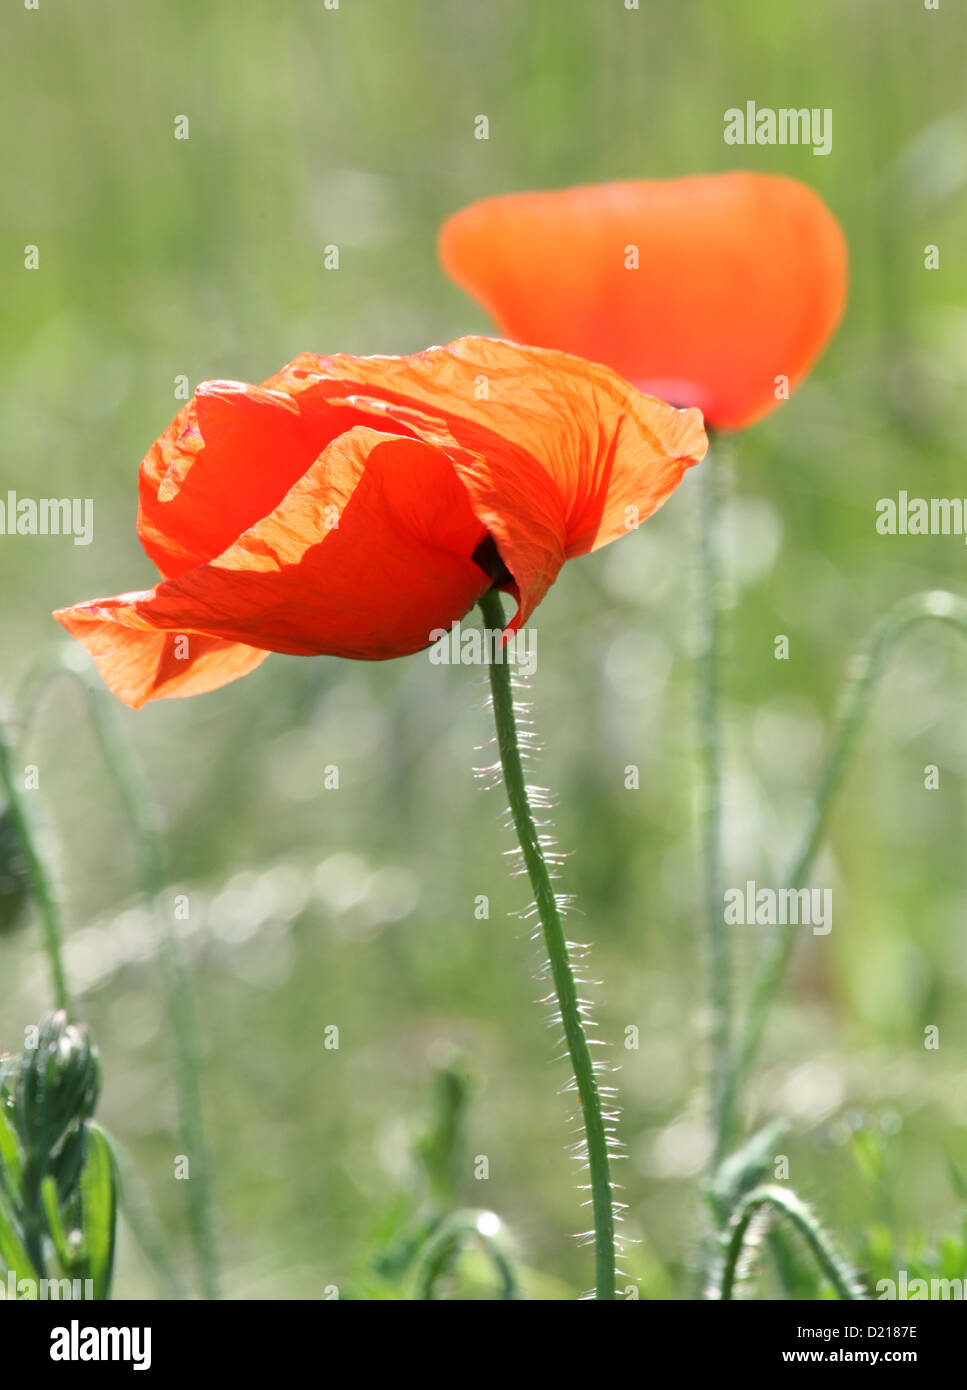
(701, 290)
(353, 506)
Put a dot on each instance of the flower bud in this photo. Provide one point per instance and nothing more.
(57, 1088)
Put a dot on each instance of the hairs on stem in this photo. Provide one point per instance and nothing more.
(748, 1224)
(537, 852)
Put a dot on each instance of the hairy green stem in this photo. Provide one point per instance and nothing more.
(789, 1206)
(145, 820)
(40, 882)
(869, 669)
(718, 953)
(558, 955)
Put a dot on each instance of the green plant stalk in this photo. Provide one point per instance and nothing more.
(446, 1243)
(145, 821)
(557, 951)
(788, 1205)
(40, 882)
(135, 1203)
(33, 1220)
(718, 952)
(854, 708)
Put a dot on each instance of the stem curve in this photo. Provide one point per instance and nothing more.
(788, 1205)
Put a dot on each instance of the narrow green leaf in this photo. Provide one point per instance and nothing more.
(55, 1226)
(13, 1253)
(744, 1169)
(98, 1210)
(11, 1163)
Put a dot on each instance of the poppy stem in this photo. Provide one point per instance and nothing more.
(548, 907)
(780, 1202)
(40, 882)
(717, 945)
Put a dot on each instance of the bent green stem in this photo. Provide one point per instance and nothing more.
(596, 1134)
(40, 883)
(786, 1204)
(144, 817)
(870, 667)
(454, 1233)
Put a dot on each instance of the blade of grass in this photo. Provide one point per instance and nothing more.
(98, 1211)
(13, 1251)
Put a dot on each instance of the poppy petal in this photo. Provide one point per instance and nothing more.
(553, 450)
(367, 556)
(139, 663)
(702, 290)
(225, 461)
(228, 458)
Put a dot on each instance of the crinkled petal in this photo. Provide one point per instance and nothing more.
(225, 461)
(229, 457)
(558, 455)
(139, 663)
(367, 556)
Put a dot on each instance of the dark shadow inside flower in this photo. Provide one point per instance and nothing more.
(488, 557)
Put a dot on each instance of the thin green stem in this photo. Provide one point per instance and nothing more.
(135, 1203)
(718, 952)
(789, 1206)
(558, 954)
(142, 809)
(454, 1233)
(40, 881)
(145, 820)
(857, 700)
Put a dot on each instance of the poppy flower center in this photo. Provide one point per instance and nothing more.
(487, 557)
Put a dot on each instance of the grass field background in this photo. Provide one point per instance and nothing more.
(204, 257)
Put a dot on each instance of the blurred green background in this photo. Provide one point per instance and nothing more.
(355, 907)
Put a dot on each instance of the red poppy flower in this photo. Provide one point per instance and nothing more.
(351, 506)
(700, 290)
